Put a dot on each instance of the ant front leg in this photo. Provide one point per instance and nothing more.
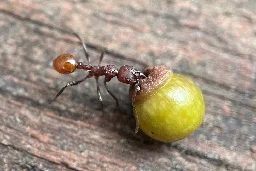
(111, 94)
(70, 84)
(136, 90)
(98, 92)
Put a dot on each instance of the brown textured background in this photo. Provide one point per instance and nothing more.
(211, 41)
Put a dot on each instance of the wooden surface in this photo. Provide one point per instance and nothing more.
(213, 42)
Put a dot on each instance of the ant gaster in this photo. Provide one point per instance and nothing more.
(67, 63)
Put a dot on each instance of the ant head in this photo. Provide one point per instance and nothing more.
(126, 75)
(65, 64)
(129, 75)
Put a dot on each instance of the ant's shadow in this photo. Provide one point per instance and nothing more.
(85, 106)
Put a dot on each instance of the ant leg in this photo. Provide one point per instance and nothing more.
(111, 94)
(70, 84)
(98, 91)
(84, 47)
(136, 89)
(101, 57)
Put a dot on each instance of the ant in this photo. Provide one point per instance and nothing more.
(161, 99)
(67, 63)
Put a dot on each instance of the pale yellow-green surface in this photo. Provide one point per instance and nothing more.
(171, 112)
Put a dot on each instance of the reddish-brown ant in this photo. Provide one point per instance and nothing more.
(167, 106)
(67, 63)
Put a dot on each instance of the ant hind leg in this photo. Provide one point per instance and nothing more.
(73, 83)
(84, 46)
(101, 57)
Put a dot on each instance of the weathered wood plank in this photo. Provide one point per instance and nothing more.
(213, 42)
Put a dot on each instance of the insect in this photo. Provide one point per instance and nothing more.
(166, 106)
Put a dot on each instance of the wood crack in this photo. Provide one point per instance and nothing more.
(40, 157)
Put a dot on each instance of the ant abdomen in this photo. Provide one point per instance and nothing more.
(65, 64)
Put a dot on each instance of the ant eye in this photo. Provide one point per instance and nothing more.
(65, 64)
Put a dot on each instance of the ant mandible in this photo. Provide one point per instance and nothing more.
(67, 63)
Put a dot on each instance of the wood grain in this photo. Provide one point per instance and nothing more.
(213, 42)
